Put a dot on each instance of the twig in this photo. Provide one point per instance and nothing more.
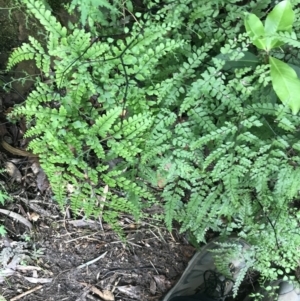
(157, 236)
(92, 261)
(172, 236)
(115, 284)
(82, 237)
(154, 267)
(124, 8)
(27, 268)
(38, 280)
(26, 293)
(127, 241)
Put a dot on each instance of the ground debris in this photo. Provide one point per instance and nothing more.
(133, 292)
(143, 271)
(105, 294)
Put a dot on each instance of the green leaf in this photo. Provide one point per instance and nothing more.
(2, 233)
(279, 272)
(281, 18)
(129, 5)
(296, 68)
(248, 60)
(139, 77)
(3, 197)
(269, 288)
(104, 123)
(255, 30)
(130, 60)
(285, 83)
(78, 124)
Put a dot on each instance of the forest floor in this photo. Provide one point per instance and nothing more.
(55, 257)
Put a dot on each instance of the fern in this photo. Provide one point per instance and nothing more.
(168, 104)
(25, 52)
(46, 18)
(92, 10)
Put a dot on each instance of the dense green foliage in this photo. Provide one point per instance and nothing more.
(170, 103)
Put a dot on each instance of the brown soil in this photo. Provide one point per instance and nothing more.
(144, 268)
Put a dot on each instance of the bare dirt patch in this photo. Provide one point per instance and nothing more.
(143, 268)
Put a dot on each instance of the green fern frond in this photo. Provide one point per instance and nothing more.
(46, 18)
(25, 52)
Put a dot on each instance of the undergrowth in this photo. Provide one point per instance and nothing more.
(170, 103)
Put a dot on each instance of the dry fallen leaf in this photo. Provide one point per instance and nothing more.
(160, 281)
(133, 292)
(153, 287)
(34, 216)
(83, 223)
(70, 188)
(5, 273)
(161, 181)
(17, 216)
(105, 294)
(13, 171)
(42, 181)
(187, 251)
(35, 166)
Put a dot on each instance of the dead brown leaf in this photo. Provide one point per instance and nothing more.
(188, 251)
(105, 294)
(160, 281)
(42, 181)
(41, 178)
(34, 216)
(83, 223)
(17, 216)
(131, 291)
(13, 172)
(35, 166)
(152, 287)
